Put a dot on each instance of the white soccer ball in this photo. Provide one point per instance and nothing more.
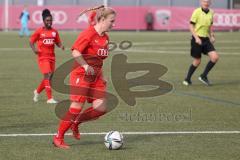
(113, 140)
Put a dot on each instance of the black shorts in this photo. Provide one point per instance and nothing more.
(197, 50)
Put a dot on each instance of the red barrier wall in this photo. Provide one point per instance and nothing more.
(128, 18)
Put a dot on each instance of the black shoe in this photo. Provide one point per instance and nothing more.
(187, 82)
(204, 80)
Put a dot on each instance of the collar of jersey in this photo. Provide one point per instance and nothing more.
(205, 10)
(44, 28)
(93, 28)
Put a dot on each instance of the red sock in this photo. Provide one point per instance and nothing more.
(41, 87)
(66, 123)
(48, 88)
(89, 114)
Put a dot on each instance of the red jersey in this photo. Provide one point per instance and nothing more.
(46, 40)
(89, 42)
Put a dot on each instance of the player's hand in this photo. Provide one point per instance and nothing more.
(36, 51)
(198, 41)
(105, 80)
(212, 39)
(88, 70)
(63, 48)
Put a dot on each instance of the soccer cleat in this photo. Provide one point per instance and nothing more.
(52, 101)
(75, 131)
(204, 80)
(35, 96)
(57, 142)
(187, 82)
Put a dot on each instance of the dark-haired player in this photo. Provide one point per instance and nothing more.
(46, 37)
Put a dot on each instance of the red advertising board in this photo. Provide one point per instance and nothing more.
(128, 18)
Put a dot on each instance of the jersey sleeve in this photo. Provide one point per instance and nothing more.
(35, 36)
(194, 16)
(81, 43)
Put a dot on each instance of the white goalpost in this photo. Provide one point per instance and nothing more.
(105, 2)
(6, 15)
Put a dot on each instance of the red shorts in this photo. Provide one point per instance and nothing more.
(46, 66)
(90, 89)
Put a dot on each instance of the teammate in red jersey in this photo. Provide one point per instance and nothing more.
(93, 43)
(46, 37)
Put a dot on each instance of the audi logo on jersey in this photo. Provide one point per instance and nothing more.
(48, 41)
(102, 52)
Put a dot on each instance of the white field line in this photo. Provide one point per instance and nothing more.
(179, 42)
(128, 133)
(159, 49)
(173, 52)
(23, 49)
(182, 48)
(139, 44)
(15, 49)
(167, 51)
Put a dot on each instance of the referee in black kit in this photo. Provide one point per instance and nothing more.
(202, 41)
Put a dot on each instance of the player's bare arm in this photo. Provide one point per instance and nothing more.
(192, 30)
(60, 45)
(33, 48)
(211, 35)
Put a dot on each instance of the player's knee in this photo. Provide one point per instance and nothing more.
(76, 105)
(196, 62)
(214, 57)
(48, 76)
(100, 105)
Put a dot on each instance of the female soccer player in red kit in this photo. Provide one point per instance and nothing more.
(46, 37)
(93, 42)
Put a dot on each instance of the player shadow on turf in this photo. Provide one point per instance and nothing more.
(86, 143)
(127, 138)
(96, 142)
(130, 139)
